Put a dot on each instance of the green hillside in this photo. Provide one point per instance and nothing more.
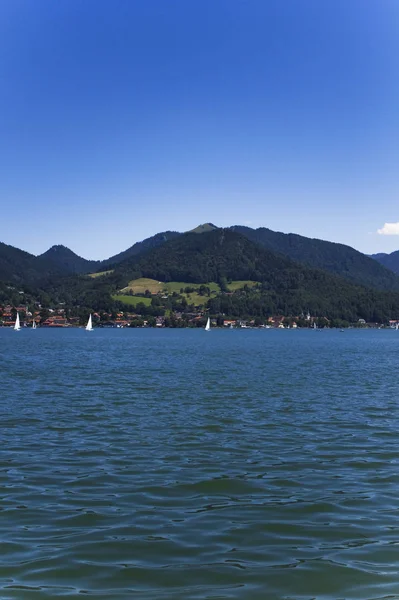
(140, 247)
(213, 256)
(390, 261)
(287, 287)
(68, 261)
(336, 258)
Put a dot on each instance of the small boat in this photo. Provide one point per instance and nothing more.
(89, 326)
(314, 326)
(17, 325)
(33, 324)
(208, 325)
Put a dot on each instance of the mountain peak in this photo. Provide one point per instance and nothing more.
(57, 248)
(67, 260)
(203, 228)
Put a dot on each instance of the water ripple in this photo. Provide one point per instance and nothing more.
(170, 464)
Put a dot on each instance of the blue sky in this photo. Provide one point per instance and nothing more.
(123, 118)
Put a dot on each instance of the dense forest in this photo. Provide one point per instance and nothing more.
(336, 258)
(390, 261)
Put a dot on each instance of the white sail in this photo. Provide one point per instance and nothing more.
(208, 325)
(397, 326)
(89, 326)
(314, 326)
(33, 324)
(17, 325)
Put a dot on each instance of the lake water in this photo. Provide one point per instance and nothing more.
(177, 464)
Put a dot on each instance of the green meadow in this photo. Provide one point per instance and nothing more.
(142, 285)
(94, 275)
(131, 300)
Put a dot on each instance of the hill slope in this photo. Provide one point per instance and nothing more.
(336, 258)
(390, 261)
(19, 267)
(207, 257)
(68, 261)
(140, 247)
(286, 287)
(204, 228)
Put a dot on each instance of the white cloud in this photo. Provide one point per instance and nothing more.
(389, 229)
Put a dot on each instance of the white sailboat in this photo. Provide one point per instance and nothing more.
(89, 326)
(397, 326)
(17, 325)
(314, 326)
(33, 324)
(208, 325)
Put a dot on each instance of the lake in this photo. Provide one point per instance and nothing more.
(179, 464)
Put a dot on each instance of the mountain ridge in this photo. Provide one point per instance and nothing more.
(390, 261)
(284, 286)
(18, 266)
(69, 260)
(338, 259)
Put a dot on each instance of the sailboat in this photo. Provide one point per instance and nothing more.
(33, 324)
(314, 326)
(397, 326)
(89, 326)
(17, 325)
(208, 325)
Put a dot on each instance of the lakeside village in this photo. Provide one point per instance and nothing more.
(59, 317)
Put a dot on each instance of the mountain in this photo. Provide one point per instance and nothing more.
(68, 261)
(140, 247)
(390, 261)
(286, 287)
(19, 267)
(204, 228)
(210, 256)
(336, 258)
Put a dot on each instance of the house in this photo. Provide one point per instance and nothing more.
(276, 321)
(121, 323)
(227, 323)
(55, 322)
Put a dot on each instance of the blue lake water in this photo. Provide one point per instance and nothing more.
(179, 464)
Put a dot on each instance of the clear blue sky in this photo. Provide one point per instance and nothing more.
(122, 118)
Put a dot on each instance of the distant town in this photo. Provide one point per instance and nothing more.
(59, 317)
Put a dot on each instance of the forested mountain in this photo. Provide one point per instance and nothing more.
(204, 228)
(19, 267)
(286, 287)
(336, 258)
(206, 257)
(68, 261)
(140, 247)
(390, 261)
